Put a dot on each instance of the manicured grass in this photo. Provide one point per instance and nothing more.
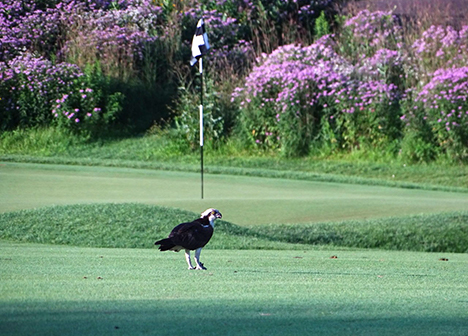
(138, 225)
(56, 290)
(243, 200)
(288, 289)
(159, 152)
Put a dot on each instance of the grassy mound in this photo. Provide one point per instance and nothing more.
(116, 225)
(446, 232)
(138, 225)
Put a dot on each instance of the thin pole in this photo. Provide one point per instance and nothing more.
(201, 124)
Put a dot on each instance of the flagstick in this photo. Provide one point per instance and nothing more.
(201, 123)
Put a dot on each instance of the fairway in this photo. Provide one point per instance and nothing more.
(242, 200)
(56, 290)
(302, 290)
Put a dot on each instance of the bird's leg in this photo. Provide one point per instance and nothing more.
(187, 257)
(197, 259)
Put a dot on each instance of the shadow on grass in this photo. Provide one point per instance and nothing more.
(174, 316)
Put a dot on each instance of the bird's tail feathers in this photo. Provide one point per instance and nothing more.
(165, 244)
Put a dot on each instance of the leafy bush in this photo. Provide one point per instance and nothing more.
(368, 83)
(188, 119)
(441, 47)
(442, 104)
(80, 109)
(29, 85)
(39, 93)
(362, 88)
(302, 95)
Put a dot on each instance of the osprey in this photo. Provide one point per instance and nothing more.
(191, 236)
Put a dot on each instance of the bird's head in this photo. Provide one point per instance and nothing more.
(212, 215)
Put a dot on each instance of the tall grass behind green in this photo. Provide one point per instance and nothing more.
(138, 226)
(157, 150)
(38, 141)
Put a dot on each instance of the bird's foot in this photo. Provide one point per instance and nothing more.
(201, 267)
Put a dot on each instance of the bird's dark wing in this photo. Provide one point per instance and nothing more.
(191, 235)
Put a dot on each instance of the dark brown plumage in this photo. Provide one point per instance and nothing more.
(191, 236)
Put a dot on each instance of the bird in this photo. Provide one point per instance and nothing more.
(191, 236)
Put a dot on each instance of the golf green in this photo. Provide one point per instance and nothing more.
(242, 200)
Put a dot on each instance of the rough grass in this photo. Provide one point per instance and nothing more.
(116, 225)
(428, 233)
(138, 225)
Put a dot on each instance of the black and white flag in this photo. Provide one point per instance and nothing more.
(200, 43)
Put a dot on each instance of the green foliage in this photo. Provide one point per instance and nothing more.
(322, 27)
(218, 114)
(418, 147)
(90, 107)
(30, 84)
(105, 66)
(187, 121)
(377, 126)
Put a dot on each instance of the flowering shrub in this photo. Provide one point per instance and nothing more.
(28, 85)
(367, 32)
(68, 36)
(302, 94)
(357, 89)
(24, 26)
(285, 95)
(441, 47)
(370, 115)
(433, 122)
(141, 44)
(229, 50)
(36, 92)
(116, 38)
(79, 113)
(66, 62)
(443, 105)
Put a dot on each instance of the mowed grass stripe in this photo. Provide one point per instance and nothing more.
(53, 290)
(242, 200)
